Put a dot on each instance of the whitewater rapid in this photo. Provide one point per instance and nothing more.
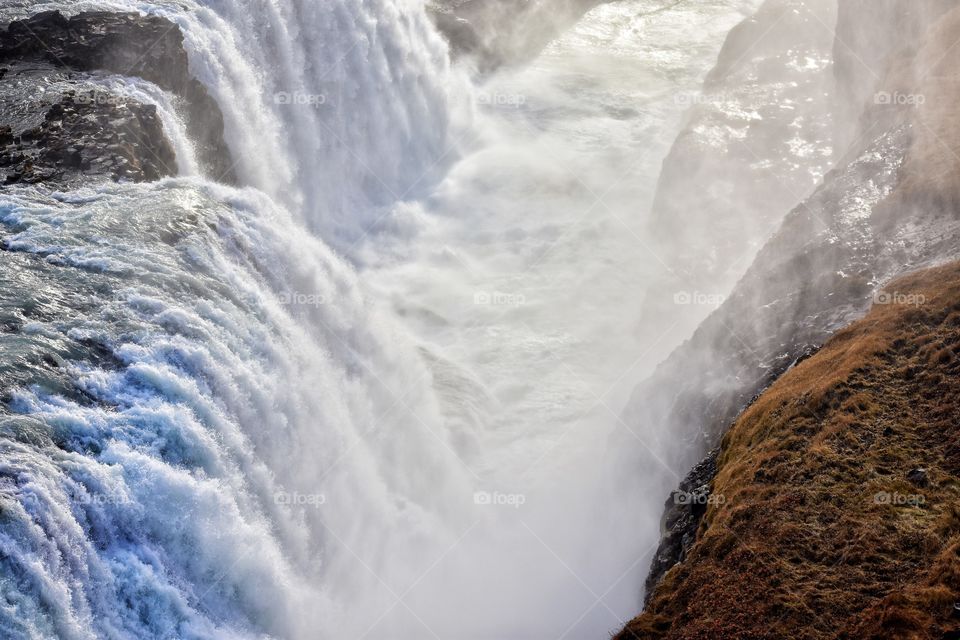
(367, 394)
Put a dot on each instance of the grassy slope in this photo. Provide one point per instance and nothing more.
(802, 546)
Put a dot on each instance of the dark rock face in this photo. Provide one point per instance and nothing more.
(86, 135)
(122, 43)
(682, 514)
(918, 477)
(149, 47)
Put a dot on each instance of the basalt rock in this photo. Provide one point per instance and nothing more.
(682, 514)
(149, 47)
(88, 135)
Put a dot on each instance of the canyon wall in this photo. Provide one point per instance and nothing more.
(889, 207)
(756, 142)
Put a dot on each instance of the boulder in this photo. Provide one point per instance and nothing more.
(129, 44)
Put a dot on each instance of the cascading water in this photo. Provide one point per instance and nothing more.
(163, 472)
(154, 482)
(219, 429)
(335, 109)
(349, 101)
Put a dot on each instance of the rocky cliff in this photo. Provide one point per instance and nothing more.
(835, 508)
(84, 134)
(888, 207)
(60, 125)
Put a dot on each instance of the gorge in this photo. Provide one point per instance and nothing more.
(365, 318)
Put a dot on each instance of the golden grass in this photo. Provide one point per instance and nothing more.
(803, 547)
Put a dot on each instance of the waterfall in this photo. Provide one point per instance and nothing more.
(350, 102)
(336, 109)
(206, 346)
(154, 482)
(242, 413)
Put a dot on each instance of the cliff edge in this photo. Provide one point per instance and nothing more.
(835, 509)
(889, 207)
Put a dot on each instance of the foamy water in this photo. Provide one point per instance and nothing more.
(369, 394)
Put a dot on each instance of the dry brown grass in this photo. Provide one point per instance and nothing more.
(802, 548)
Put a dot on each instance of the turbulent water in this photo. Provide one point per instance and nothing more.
(367, 394)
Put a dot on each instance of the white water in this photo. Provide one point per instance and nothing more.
(254, 364)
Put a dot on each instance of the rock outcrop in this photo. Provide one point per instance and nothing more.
(148, 47)
(85, 135)
(837, 510)
(682, 513)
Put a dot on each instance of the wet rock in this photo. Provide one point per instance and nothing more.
(753, 146)
(149, 47)
(682, 514)
(918, 477)
(88, 135)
